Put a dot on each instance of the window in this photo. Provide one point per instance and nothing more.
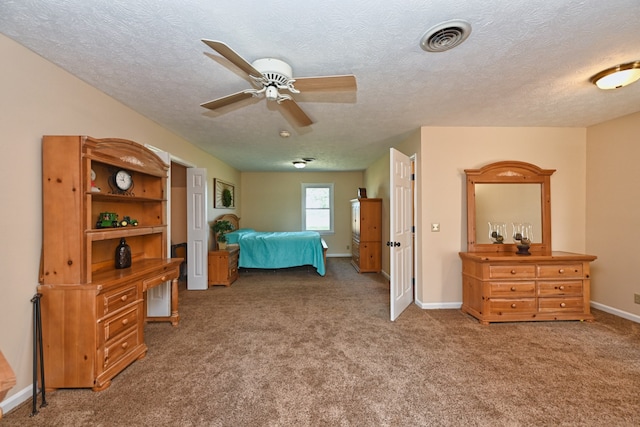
(317, 207)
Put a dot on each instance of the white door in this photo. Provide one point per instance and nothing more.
(197, 229)
(159, 297)
(401, 214)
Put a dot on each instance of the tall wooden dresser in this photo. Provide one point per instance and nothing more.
(366, 231)
(93, 314)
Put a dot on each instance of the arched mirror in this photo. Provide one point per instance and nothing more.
(505, 193)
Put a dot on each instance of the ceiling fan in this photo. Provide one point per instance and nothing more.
(270, 77)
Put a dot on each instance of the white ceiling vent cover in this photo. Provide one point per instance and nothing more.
(445, 35)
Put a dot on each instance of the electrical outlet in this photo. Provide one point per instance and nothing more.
(435, 227)
(636, 298)
(347, 246)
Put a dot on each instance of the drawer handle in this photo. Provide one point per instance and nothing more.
(513, 305)
(125, 345)
(561, 271)
(563, 305)
(123, 298)
(561, 287)
(125, 321)
(513, 272)
(513, 289)
(163, 278)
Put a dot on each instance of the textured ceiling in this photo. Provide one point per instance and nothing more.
(526, 63)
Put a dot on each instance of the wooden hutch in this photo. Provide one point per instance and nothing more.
(93, 314)
(499, 285)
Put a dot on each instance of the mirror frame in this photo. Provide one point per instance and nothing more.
(509, 172)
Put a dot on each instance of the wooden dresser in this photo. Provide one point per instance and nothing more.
(223, 266)
(366, 230)
(504, 287)
(93, 314)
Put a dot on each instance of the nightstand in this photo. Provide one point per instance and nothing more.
(223, 266)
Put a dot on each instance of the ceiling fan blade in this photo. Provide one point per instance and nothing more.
(233, 57)
(326, 83)
(296, 113)
(227, 100)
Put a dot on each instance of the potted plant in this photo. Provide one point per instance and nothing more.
(220, 228)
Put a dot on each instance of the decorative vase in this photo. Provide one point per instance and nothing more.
(123, 254)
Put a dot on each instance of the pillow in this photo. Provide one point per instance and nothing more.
(234, 236)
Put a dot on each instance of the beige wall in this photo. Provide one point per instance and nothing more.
(39, 98)
(613, 211)
(446, 152)
(271, 201)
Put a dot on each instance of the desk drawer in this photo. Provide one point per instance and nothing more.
(120, 323)
(512, 271)
(119, 348)
(560, 288)
(160, 278)
(121, 297)
(558, 271)
(512, 289)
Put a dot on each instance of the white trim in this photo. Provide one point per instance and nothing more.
(17, 399)
(616, 312)
(438, 305)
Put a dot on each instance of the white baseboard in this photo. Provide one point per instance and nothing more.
(16, 400)
(616, 312)
(339, 255)
(438, 305)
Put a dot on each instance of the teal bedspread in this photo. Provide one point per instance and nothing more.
(279, 249)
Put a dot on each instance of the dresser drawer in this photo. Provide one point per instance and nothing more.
(560, 305)
(560, 288)
(119, 298)
(558, 271)
(512, 271)
(121, 322)
(512, 289)
(116, 350)
(512, 306)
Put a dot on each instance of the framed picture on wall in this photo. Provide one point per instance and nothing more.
(224, 196)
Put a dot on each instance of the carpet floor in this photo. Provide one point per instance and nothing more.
(291, 348)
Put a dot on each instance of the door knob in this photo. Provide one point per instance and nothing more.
(396, 244)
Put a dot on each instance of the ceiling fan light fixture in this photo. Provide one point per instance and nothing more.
(271, 93)
(299, 164)
(618, 76)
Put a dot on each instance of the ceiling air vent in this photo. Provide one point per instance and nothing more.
(445, 35)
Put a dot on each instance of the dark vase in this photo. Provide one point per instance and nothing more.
(123, 254)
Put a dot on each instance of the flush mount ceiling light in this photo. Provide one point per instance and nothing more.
(445, 35)
(285, 133)
(299, 165)
(618, 76)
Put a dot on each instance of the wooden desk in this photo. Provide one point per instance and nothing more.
(100, 331)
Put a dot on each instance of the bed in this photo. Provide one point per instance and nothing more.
(273, 250)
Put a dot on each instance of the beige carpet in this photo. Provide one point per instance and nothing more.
(290, 348)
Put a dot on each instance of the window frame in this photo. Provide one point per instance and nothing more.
(303, 204)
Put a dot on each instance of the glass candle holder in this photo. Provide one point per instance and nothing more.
(497, 232)
(522, 234)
